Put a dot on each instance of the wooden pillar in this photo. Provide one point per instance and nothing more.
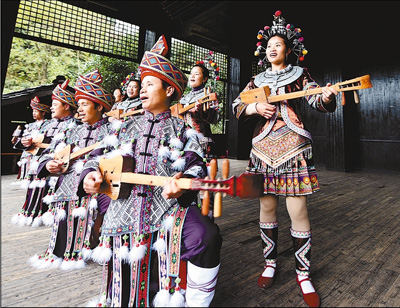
(232, 123)
(9, 11)
(239, 133)
(335, 135)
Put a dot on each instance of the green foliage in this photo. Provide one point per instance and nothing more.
(32, 64)
(113, 70)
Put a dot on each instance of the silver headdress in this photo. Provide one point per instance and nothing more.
(210, 63)
(129, 78)
(279, 26)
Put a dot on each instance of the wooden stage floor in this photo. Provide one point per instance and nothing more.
(355, 221)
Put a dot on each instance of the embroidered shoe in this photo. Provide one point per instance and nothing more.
(266, 282)
(311, 299)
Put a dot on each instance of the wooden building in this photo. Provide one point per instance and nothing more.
(345, 39)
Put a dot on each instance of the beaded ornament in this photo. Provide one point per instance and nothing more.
(128, 78)
(210, 63)
(279, 26)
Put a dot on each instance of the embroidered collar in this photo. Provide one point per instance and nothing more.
(285, 70)
(192, 95)
(65, 118)
(161, 116)
(97, 124)
(276, 79)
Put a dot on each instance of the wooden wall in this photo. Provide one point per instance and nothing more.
(364, 136)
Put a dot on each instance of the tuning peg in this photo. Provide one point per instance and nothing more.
(343, 99)
(218, 195)
(356, 97)
(205, 205)
(205, 202)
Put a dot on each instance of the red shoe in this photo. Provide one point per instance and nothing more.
(266, 282)
(311, 299)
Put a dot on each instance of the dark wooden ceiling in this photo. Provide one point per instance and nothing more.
(334, 31)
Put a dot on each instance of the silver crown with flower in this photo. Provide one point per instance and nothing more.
(279, 26)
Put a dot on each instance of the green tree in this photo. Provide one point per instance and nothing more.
(113, 70)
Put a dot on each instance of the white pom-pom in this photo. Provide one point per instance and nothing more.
(79, 212)
(168, 223)
(179, 164)
(177, 300)
(78, 166)
(175, 155)
(126, 149)
(101, 254)
(58, 136)
(111, 140)
(19, 163)
(116, 124)
(113, 154)
(93, 302)
(37, 222)
(161, 299)
(71, 125)
(76, 148)
(61, 215)
(28, 220)
(35, 134)
(48, 199)
(48, 219)
(53, 181)
(160, 245)
(163, 152)
(190, 133)
(48, 156)
(59, 147)
(67, 265)
(124, 253)
(33, 184)
(137, 253)
(86, 253)
(25, 183)
(93, 204)
(80, 264)
(45, 263)
(22, 220)
(176, 143)
(56, 262)
(35, 261)
(34, 166)
(42, 183)
(15, 218)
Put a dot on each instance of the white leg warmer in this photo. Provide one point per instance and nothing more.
(201, 284)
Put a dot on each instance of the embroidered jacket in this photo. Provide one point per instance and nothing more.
(199, 120)
(27, 160)
(288, 112)
(160, 145)
(80, 136)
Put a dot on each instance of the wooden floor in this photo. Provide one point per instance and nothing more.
(355, 221)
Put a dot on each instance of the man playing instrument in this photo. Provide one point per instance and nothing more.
(156, 239)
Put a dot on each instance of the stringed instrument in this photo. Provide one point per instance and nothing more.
(178, 110)
(117, 174)
(119, 114)
(262, 94)
(16, 134)
(37, 144)
(66, 155)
